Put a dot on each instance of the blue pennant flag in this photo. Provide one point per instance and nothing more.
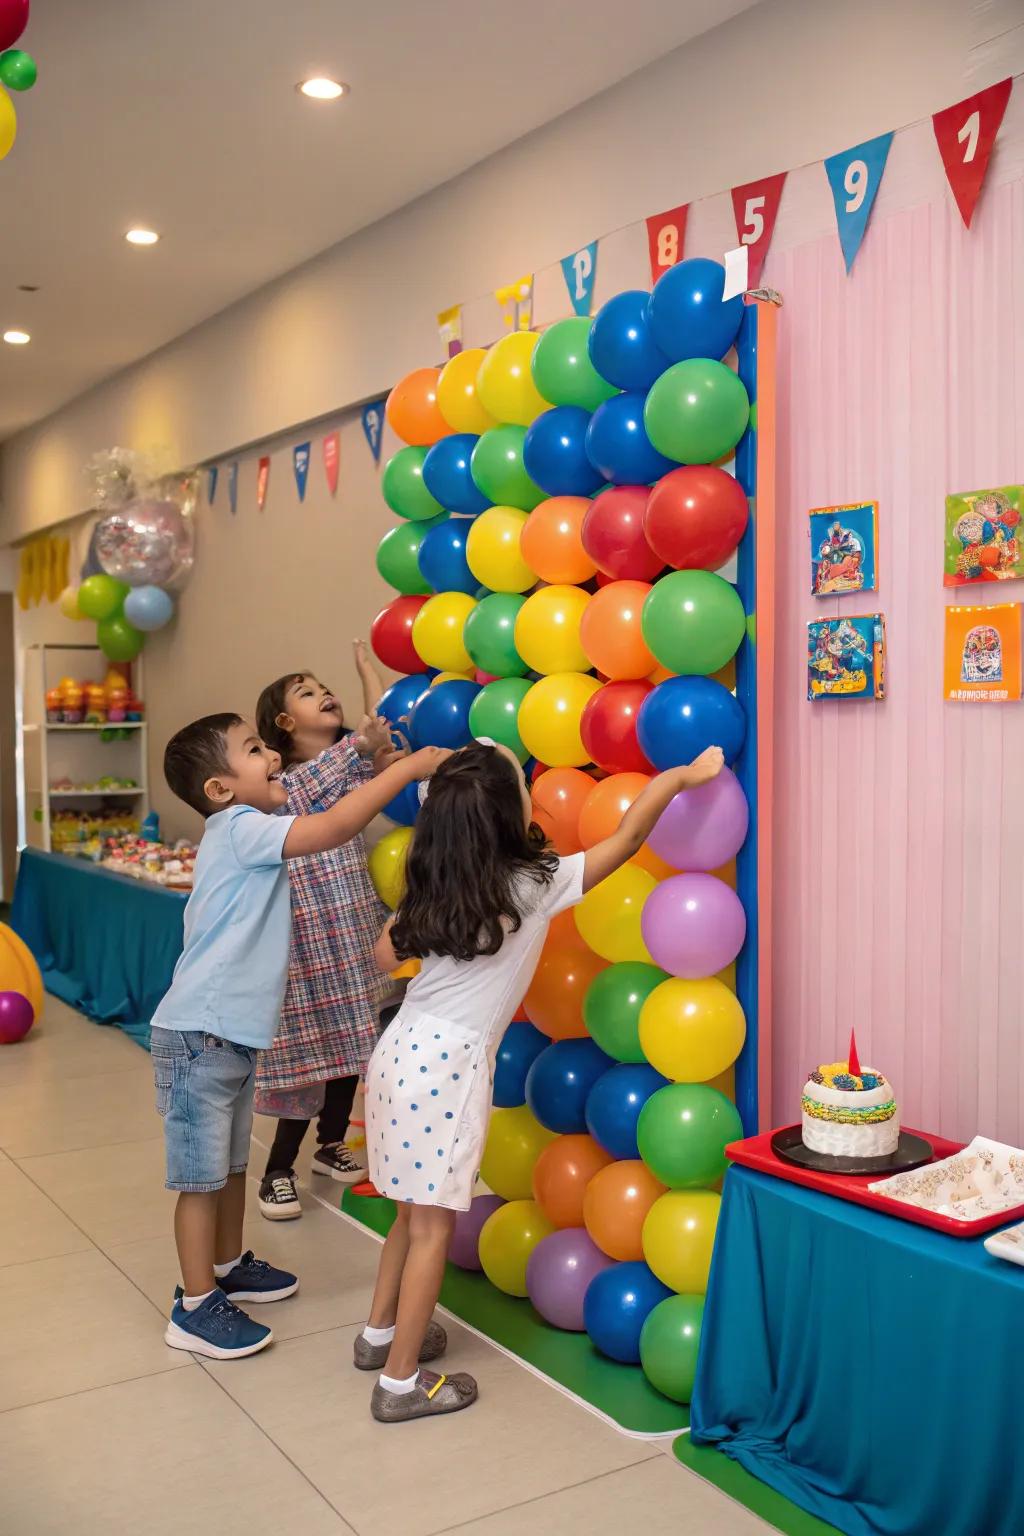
(301, 457)
(233, 487)
(855, 177)
(211, 484)
(373, 427)
(579, 271)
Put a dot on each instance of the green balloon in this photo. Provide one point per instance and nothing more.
(398, 556)
(18, 70)
(693, 621)
(669, 1341)
(497, 469)
(562, 369)
(489, 635)
(403, 487)
(611, 1008)
(697, 411)
(495, 711)
(101, 596)
(119, 640)
(683, 1132)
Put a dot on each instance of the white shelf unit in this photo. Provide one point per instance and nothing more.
(48, 753)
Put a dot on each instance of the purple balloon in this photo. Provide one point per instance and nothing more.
(464, 1250)
(557, 1275)
(16, 1017)
(693, 925)
(703, 828)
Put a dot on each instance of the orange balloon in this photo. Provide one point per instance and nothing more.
(610, 631)
(561, 1175)
(412, 409)
(562, 930)
(605, 807)
(554, 1002)
(659, 675)
(616, 1201)
(552, 542)
(725, 675)
(558, 797)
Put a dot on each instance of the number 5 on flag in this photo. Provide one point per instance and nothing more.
(965, 135)
(755, 207)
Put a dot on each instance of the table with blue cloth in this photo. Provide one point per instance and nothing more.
(866, 1368)
(106, 944)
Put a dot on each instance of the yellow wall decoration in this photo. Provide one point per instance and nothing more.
(43, 573)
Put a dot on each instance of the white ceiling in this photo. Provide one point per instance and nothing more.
(182, 115)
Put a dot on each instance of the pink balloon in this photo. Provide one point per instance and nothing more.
(559, 1270)
(464, 1250)
(16, 1017)
(693, 925)
(703, 828)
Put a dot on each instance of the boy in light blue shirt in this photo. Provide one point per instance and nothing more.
(224, 1001)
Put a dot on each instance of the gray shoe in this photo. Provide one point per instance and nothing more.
(374, 1357)
(431, 1394)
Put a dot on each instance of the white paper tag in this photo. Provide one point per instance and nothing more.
(736, 263)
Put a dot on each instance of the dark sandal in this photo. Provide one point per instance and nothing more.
(432, 1394)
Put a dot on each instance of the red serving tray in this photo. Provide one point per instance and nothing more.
(756, 1152)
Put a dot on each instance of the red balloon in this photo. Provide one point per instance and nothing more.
(613, 534)
(13, 21)
(695, 517)
(391, 635)
(608, 727)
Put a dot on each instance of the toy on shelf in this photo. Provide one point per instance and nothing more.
(90, 703)
(110, 783)
(81, 832)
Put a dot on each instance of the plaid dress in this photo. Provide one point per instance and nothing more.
(329, 1021)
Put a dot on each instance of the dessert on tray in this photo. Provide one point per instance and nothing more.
(850, 1110)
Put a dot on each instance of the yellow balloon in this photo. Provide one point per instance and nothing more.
(437, 631)
(456, 393)
(386, 864)
(691, 1031)
(515, 1140)
(678, 1236)
(69, 603)
(507, 1239)
(455, 677)
(608, 917)
(492, 550)
(504, 383)
(549, 719)
(8, 124)
(18, 969)
(547, 633)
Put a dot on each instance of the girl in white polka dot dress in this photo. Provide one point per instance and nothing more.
(482, 887)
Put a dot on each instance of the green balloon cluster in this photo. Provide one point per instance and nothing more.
(611, 1008)
(683, 1132)
(697, 411)
(398, 556)
(498, 471)
(404, 489)
(489, 636)
(562, 370)
(693, 621)
(102, 598)
(495, 712)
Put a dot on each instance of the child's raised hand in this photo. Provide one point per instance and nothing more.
(372, 735)
(361, 655)
(425, 763)
(705, 767)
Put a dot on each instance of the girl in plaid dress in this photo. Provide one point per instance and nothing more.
(329, 1021)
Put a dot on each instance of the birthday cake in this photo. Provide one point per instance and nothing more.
(850, 1110)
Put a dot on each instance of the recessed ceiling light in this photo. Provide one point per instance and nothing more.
(17, 338)
(320, 88)
(142, 237)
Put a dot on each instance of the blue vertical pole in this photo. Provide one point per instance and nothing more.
(746, 765)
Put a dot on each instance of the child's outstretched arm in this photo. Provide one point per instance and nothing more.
(384, 950)
(605, 858)
(369, 677)
(329, 829)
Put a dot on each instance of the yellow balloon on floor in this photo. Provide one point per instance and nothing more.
(691, 1031)
(504, 383)
(515, 1140)
(386, 864)
(456, 393)
(608, 917)
(547, 633)
(549, 719)
(507, 1239)
(678, 1236)
(18, 969)
(437, 631)
(493, 553)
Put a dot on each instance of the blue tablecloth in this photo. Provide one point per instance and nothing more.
(866, 1368)
(105, 943)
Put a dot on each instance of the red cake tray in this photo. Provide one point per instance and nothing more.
(756, 1152)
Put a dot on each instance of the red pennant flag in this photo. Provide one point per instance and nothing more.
(666, 235)
(262, 478)
(755, 207)
(332, 459)
(965, 135)
(853, 1062)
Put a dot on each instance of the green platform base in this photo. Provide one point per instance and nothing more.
(756, 1496)
(621, 1393)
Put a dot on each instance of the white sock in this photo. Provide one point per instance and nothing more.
(378, 1335)
(220, 1270)
(191, 1302)
(399, 1387)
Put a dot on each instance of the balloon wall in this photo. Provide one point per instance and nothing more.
(568, 502)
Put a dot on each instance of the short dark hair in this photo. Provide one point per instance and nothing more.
(194, 754)
(273, 701)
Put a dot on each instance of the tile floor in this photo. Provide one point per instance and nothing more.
(104, 1430)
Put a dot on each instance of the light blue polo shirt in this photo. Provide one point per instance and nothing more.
(231, 976)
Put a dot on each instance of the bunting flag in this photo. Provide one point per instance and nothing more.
(449, 325)
(516, 301)
(300, 459)
(373, 427)
(233, 487)
(755, 206)
(332, 459)
(579, 271)
(262, 480)
(666, 236)
(855, 177)
(211, 484)
(965, 135)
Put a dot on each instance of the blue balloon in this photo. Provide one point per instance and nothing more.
(555, 452)
(560, 1080)
(686, 313)
(616, 1306)
(614, 1105)
(148, 608)
(404, 808)
(442, 557)
(618, 445)
(441, 715)
(398, 701)
(446, 475)
(520, 1046)
(684, 715)
(621, 345)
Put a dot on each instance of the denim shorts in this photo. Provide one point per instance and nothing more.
(204, 1089)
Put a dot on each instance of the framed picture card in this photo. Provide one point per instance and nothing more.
(844, 549)
(983, 536)
(846, 657)
(982, 661)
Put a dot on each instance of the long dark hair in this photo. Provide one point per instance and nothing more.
(468, 859)
(270, 704)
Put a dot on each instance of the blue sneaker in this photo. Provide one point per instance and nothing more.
(254, 1279)
(216, 1328)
